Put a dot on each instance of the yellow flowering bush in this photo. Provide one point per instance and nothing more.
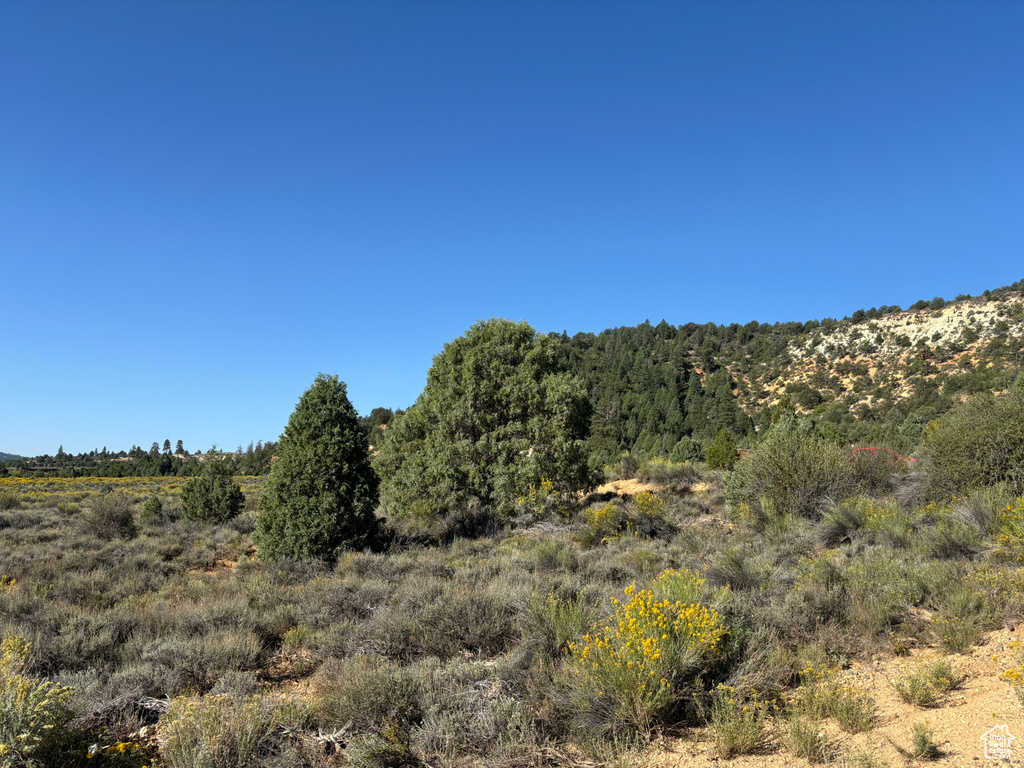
(603, 523)
(647, 505)
(121, 754)
(681, 585)
(1015, 675)
(538, 499)
(647, 655)
(823, 692)
(1002, 588)
(1010, 539)
(31, 711)
(643, 516)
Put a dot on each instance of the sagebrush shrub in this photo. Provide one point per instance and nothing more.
(552, 624)
(925, 685)
(738, 722)
(794, 471)
(110, 516)
(369, 694)
(221, 732)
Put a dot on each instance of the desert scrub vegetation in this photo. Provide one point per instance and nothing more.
(497, 645)
(824, 693)
(1015, 674)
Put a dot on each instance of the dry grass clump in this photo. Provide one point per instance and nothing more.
(738, 723)
(927, 685)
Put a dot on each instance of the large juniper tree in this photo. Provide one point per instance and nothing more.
(321, 492)
(498, 413)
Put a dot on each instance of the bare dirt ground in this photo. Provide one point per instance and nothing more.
(962, 718)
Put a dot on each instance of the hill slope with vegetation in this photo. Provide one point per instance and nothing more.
(780, 605)
(878, 376)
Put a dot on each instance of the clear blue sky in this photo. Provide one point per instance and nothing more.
(204, 204)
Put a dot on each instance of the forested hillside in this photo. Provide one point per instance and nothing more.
(877, 376)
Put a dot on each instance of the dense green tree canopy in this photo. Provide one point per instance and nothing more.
(979, 442)
(498, 413)
(320, 495)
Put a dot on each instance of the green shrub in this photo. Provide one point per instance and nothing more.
(498, 413)
(980, 442)
(722, 453)
(9, 500)
(793, 471)
(152, 508)
(212, 496)
(32, 712)
(110, 516)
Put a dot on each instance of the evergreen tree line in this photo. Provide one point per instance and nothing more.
(137, 462)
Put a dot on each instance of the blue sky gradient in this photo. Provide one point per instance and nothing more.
(204, 204)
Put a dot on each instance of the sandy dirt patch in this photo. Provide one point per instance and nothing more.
(960, 721)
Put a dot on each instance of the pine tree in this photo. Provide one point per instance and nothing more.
(320, 496)
(722, 454)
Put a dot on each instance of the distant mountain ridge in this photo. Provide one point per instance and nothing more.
(9, 456)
